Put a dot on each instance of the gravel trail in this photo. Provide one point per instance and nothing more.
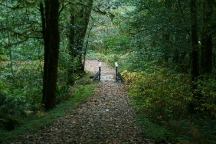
(106, 118)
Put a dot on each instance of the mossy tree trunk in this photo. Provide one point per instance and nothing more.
(79, 19)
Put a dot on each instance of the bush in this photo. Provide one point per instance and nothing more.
(161, 101)
(207, 87)
(161, 95)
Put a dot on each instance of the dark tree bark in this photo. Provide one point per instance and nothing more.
(207, 44)
(50, 30)
(194, 41)
(194, 57)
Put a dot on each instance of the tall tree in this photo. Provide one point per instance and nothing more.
(79, 20)
(194, 57)
(194, 42)
(207, 43)
(49, 15)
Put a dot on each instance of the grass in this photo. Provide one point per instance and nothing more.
(42, 119)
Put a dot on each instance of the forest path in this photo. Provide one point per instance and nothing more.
(105, 118)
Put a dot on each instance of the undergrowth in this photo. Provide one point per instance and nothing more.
(79, 93)
(161, 99)
(21, 87)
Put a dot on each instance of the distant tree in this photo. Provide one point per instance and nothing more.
(207, 42)
(49, 15)
(194, 41)
(79, 19)
(72, 50)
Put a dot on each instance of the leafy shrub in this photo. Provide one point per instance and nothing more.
(161, 95)
(10, 108)
(117, 43)
(207, 87)
(8, 122)
(161, 100)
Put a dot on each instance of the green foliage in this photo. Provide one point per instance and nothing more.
(152, 130)
(21, 59)
(161, 100)
(162, 25)
(150, 39)
(151, 42)
(42, 119)
(110, 58)
(161, 95)
(116, 44)
(207, 86)
(21, 91)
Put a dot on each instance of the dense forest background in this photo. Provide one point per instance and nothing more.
(165, 49)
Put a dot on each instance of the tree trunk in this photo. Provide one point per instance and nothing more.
(51, 51)
(45, 49)
(194, 40)
(207, 44)
(86, 22)
(194, 57)
(79, 23)
(72, 51)
(86, 46)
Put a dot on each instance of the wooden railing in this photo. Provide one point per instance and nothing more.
(98, 74)
(118, 76)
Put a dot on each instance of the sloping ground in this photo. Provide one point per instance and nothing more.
(105, 118)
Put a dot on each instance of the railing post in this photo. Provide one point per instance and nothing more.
(116, 66)
(99, 76)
